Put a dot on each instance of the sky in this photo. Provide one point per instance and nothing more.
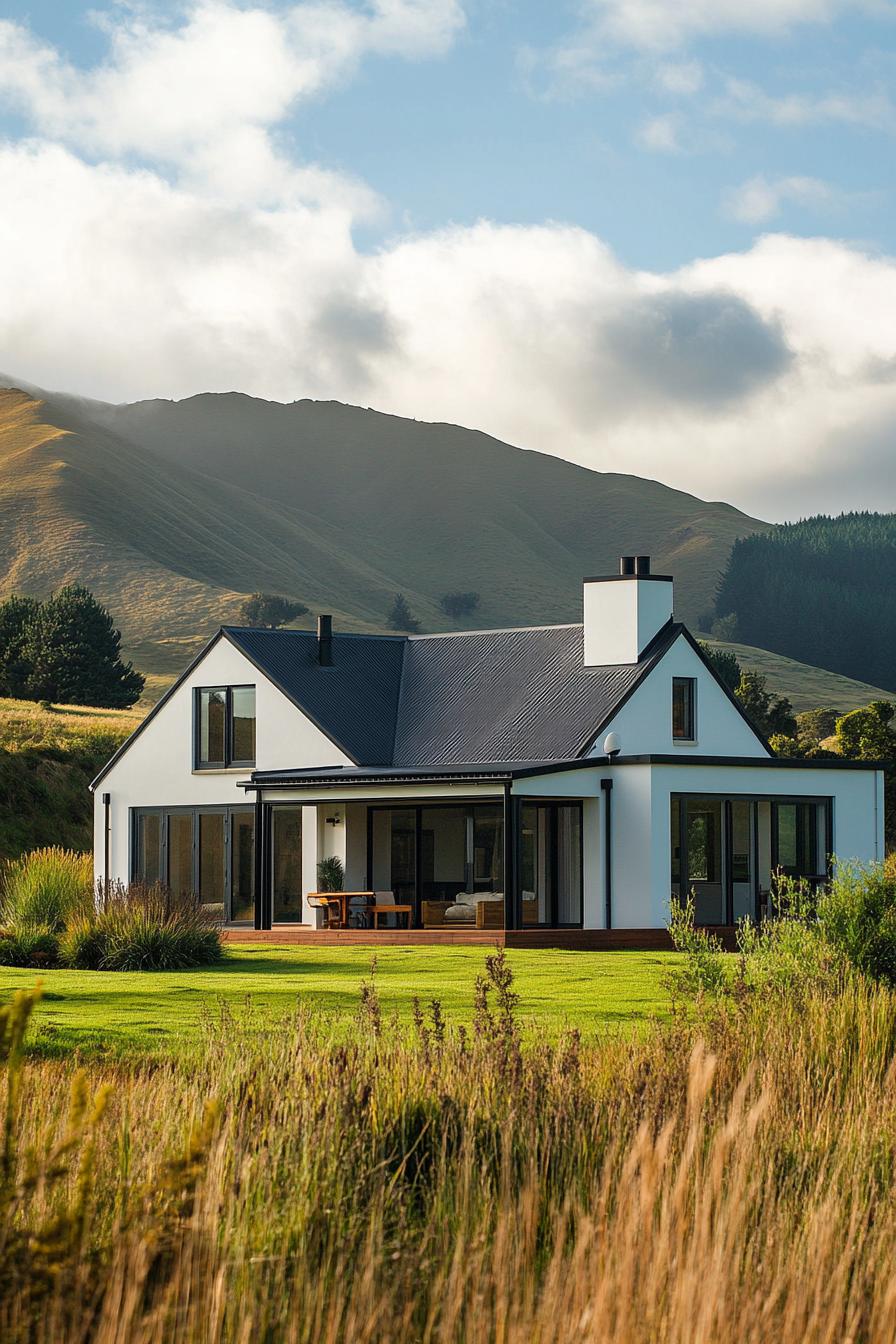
(650, 236)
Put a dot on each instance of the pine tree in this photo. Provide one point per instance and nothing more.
(16, 614)
(73, 652)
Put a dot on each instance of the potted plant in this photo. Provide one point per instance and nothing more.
(330, 874)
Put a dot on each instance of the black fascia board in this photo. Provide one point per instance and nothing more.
(761, 762)
(629, 578)
(144, 723)
(422, 775)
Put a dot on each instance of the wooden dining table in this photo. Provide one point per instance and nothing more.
(344, 898)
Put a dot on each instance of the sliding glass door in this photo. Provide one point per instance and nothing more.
(444, 860)
(726, 851)
(208, 851)
(551, 864)
(286, 863)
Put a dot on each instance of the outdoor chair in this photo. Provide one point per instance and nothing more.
(331, 909)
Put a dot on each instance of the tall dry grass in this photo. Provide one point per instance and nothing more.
(729, 1180)
(46, 888)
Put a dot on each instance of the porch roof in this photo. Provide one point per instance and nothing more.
(498, 772)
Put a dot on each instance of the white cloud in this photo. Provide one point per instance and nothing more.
(659, 134)
(760, 199)
(746, 101)
(754, 376)
(659, 25)
(680, 77)
(203, 97)
(129, 268)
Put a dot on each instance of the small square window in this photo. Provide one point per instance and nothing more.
(684, 709)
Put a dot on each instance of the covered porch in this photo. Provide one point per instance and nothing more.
(461, 858)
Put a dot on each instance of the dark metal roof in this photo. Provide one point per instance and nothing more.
(354, 702)
(504, 695)
(435, 700)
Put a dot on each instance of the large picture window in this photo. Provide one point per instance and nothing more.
(225, 727)
(209, 851)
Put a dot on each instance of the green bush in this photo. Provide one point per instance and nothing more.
(857, 915)
(82, 946)
(142, 928)
(703, 971)
(48, 887)
(29, 945)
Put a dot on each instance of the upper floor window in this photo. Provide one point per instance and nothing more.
(225, 726)
(684, 709)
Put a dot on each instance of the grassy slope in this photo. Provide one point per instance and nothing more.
(806, 687)
(139, 1011)
(47, 760)
(171, 511)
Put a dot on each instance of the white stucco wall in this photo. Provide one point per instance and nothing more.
(644, 724)
(641, 826)
(157, 769)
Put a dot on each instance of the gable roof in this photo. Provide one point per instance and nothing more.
(483, 696)
(354, 702)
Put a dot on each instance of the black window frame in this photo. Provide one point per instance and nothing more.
(420, 805)
(824, 818)
(230, 761)
(690, 709)
(228, 811)
(552, 807)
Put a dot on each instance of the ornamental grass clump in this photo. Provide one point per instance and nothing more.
(52, 915)
(46, 888)
(141, 928)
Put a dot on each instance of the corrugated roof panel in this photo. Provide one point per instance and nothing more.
(503, 695)
(354, 701)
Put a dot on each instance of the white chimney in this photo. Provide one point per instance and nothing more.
(624, 611)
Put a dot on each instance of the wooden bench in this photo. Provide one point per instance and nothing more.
(377, 910)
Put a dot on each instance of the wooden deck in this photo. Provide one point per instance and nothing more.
(582, 940)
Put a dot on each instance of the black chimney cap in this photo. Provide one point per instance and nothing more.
(325, 641)
(626, 564)
(642, 564)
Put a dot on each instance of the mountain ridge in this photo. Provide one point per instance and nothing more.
(172, 511)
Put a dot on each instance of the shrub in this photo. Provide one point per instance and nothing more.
(134, 938)
(29, 945)
(857, 915)
(704, 967)
(82, 946)
(141, 928)
(47, 887)
(459, 604)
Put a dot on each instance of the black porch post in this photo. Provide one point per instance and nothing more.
(262, 894)
(511, 875)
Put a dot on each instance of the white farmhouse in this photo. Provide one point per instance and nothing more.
(557, 784)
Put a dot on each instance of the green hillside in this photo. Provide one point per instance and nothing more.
(822, 590)
(806, 687)
(171, 511)
(47, 760)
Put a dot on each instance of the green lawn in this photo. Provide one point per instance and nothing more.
(120, 1012)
